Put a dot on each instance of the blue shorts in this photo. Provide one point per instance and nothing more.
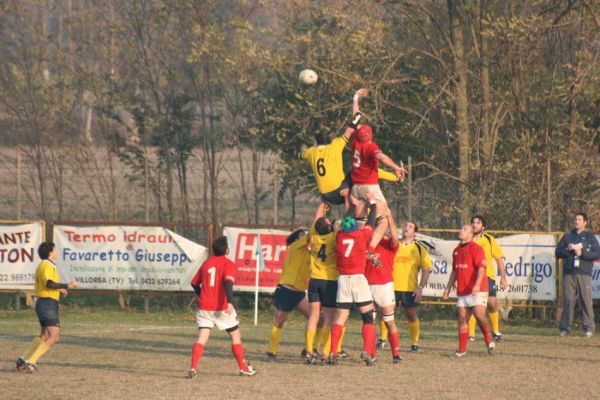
(324, 291)
(286, 299)
(406, 299)
(47, 311)
(493, 290)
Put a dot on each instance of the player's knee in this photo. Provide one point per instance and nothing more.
(387, 317)
(367, 317)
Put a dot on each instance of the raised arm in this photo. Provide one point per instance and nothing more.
(359, 93)
(400, 172)
(393, 228)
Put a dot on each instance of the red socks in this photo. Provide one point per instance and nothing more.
(394, 339)
(238, 353)
(485, 329)
(336, 334)
(197, 351)
(369, 341)
(463, 336)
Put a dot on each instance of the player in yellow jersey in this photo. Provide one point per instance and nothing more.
(492, 252)
(290, 292)
(410, 258)
(48, 290)
(326, 161)
(322, 287)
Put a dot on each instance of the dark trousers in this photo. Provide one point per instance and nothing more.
(577, 287)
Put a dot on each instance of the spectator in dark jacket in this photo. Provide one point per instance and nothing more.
(578, 249)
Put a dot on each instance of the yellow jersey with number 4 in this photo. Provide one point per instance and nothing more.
(296, 267)
(323, 259)
(492, 252)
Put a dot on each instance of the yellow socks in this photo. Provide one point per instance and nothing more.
(310, 341)
(274, 339)
(38, 352)
(34, 345)
(383, 331)
(494, 321)
(325, 340)
(339, 347)
(472, 324)
(415, 330)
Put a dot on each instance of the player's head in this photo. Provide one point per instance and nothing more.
(364, 133)
(323, 226)
(581, 220)
(297, 234)
(348, 224)
(478, 223)
(322, 138)
(47, 251)
(466, 233)
(220, 246)
(409, 230)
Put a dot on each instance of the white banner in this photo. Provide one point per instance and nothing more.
(529, 262)
(596, 277)
(18, 255)
(243, 251)
(127, 257)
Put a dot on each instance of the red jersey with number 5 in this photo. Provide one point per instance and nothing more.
(364, 163)
(351, 250)
(384, 274)
(466, 261)
(210, 277)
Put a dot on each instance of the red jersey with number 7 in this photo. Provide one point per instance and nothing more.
(210, 277)
(351, 250)
(466, 260)
(364, 163)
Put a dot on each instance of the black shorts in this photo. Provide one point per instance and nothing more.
(285, 299)
(406, 299)
(47, 311)
(334, 197)
(324, 291)
(493, 290)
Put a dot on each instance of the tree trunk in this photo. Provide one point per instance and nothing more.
(461, 103)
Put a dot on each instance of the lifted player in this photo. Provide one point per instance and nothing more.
(290, 292)
(351, 250)
(382, 286)
(366, 156)
(213, 283)
(469, 273)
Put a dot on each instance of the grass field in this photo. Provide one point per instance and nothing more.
(113, 354)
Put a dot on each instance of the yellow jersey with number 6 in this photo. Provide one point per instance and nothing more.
(327, 164)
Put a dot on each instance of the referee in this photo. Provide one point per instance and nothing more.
(47, 290)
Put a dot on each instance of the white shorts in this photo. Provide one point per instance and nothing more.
(208, 319)
(360, 192)
(472, 300)
(353, 289)
(383, 295)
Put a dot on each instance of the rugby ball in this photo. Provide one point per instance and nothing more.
(308, 77)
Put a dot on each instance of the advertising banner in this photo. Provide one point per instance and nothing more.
(127, 257)
(18, 255)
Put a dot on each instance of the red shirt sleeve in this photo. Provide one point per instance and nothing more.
(371, 150)
(229, 273)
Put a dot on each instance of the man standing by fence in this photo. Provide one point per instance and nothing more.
(578, 249)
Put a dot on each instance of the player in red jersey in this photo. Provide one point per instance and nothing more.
(381, 283)
(469, 273)
(351, 250)
(213, 283)
(366, 156)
